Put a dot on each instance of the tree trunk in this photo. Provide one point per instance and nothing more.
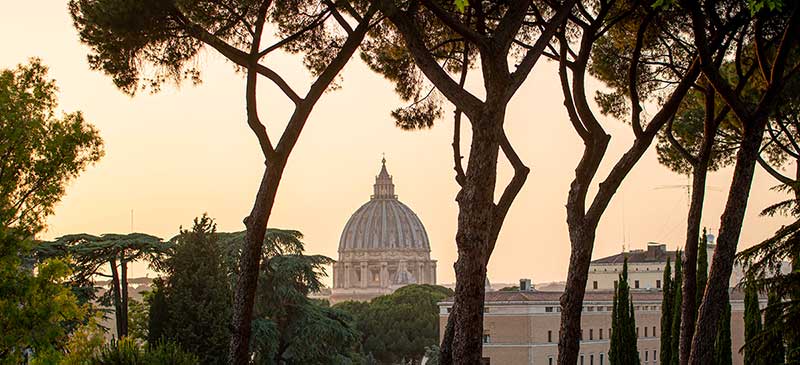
(115, 297)
(582, 240)
(249, 263)
(476, 222)
(702, 350)
(446, 347)
(699, 174)
(124, 291)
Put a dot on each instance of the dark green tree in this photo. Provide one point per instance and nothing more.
(752, 325)
(773, 349)
(146, 43)
(157, 314)
(667, 296)
(92, 255)
(623, 348)
(675, 335)
(723, 354)
(40, 151)
(197, 294)
(400, 326)
(702, 268)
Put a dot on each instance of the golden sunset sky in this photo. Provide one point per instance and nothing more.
(174, 155)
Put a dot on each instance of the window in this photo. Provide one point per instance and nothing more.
(581, 335)
(654, 331)
(549, 336)
(591, 334)
(658, 284)
(637, 332)
(645, 335)
(591, 308)
(581, 359)
(601, 359)
(594, 284)
(487, 338)
(645, 355)
(601, 333)
(548, 309)
(591, 359)
(550, 360)
(636, 284)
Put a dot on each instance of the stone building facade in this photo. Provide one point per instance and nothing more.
(521, 327)
(383, 246)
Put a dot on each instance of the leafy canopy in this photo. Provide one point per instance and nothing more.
(40, 151)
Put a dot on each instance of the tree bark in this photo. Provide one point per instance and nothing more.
(474, 235)
(123, 265)
(250, 261)
(699, 174)
(115, 297)
(702, 350)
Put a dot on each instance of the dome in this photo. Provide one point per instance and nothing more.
(384, 223)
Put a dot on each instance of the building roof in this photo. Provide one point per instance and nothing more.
(532, 296)
(656, 252)
(384, 223)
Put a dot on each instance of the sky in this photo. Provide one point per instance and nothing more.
(187, 150)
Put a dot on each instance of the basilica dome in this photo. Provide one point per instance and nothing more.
(384, 223)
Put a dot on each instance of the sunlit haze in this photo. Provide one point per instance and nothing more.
(174, 155)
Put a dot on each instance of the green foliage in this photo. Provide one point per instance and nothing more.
(85, 342)
(752, 325)
(127, 352)
(401, 325)
(773, 348)
(92, 255)
(702, 268)
(36, 308)
(667, 296)
(196, 295)
(676, 311)
(722, 344)
(143, 44)
(510, 288)
(138, 318)
(623, 347)
(40, 152)
(461, 5)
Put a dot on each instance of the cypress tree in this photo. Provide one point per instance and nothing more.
(752, 325)
(722, 345)
(198, 294)
(623, 347)
(676, 311)
(702, 268)
(793, 337)
(667, 296)
(774, 351)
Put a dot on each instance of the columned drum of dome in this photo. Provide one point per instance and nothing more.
(383, 246)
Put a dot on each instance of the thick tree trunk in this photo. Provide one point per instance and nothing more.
(702, 350)
(569, 334)
(476, 222)
(446, 347)
(688, 307)
(249, 263)
(699, 174)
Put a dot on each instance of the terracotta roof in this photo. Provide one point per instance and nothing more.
(655, 253)
(590, 296)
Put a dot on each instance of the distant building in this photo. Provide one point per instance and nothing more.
(383, 247)
(521, 327)
(645, 268)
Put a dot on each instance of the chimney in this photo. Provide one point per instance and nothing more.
(525, 285)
